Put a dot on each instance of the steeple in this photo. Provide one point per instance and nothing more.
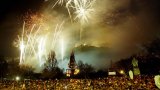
(72, 62)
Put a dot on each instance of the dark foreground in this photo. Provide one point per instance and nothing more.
(109, 83)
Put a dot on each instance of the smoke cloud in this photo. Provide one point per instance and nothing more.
(117, 29)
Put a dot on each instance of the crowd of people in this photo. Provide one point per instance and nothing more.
(109, 83)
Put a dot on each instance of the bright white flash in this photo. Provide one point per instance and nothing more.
(22, 47)
(34, 44)
(62, 49)
(84, 10)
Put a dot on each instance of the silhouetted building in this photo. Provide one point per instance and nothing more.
(72, 65)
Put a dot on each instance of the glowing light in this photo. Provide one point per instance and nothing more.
(121, 72)
(84, 10)
(34, 44)
(22, 47)
(68, 75)
(76, 71)
(17, 78)
(62, 49)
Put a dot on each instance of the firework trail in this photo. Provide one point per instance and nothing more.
(57, 32)
(34, 43)
(22, 47)
(83, 10)
(62, 49)
(59, 2)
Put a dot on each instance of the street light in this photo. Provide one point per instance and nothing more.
(17, 78)
(121, 72)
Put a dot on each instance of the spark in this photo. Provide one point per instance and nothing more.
(84, 10)
(59, 2)
(22, 46)
(57, 32)
(35, 44)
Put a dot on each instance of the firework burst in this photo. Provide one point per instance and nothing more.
(35, 44)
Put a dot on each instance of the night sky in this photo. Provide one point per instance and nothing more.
(122, 26)
(11, 17)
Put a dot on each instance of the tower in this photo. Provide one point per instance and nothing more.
(72, 64)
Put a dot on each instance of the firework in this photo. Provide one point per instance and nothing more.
(22, 47)
(56, 33)
(84, 10)
(59, 2)
(62, 49)
(35, 44)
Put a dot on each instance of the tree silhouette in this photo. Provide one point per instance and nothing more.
(13, 68)
(51, 69)
(52, 61)
(26, 71)
(3, 67)
(85, 70)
